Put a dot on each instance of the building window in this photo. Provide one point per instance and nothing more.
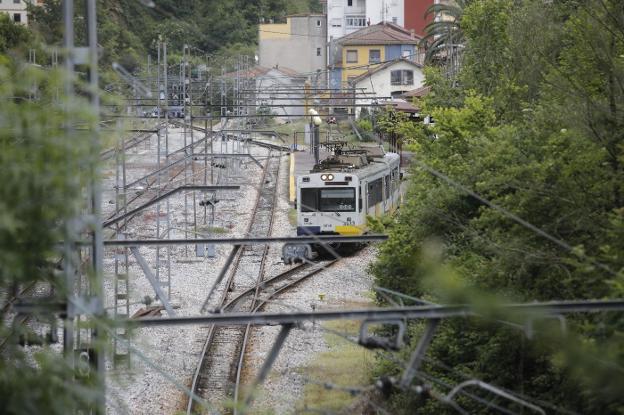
(352, 56)
(374, 56)
(402, 77)
(395, 20)
(336, 22)
(17, 18)
(318, 23)
(356, 21)
(318, 51)
(349, 3)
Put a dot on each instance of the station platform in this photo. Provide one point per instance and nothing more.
(301, 162)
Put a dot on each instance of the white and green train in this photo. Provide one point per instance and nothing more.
(336, 197)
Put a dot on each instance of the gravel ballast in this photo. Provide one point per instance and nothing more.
(153, 383)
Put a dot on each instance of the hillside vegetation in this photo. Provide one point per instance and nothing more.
(128, 30)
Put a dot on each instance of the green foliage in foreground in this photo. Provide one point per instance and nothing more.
(12, 35)
(43, 169)
(537, 127)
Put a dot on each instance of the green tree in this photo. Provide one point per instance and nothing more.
(12, 35)
(445, 30)
(43, 171)
(535, 128)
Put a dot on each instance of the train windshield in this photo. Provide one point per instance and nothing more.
(340, 199)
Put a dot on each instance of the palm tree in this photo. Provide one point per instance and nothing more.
(444, 35)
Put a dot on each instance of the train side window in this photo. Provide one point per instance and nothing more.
(387, 183)
(375, 190)
(309, 200)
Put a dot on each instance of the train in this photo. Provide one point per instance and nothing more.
(340, 192)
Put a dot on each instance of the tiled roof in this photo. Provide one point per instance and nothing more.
(287, 71)
(252, 72)
(418, 92)
(381, 67)
(384, 33)
(401, 106)
(258, 70)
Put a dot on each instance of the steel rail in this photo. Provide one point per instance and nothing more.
(258, 305)
(204, 360)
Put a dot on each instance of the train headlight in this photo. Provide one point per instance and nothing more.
(323, 177)
(330, 177)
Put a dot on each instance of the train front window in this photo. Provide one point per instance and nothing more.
(337, 200)
(309, 199)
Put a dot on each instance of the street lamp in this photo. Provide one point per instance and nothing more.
(315, 123)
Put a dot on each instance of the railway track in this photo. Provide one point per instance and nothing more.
(132, 142)
(28, 290)
(218, 375)
(215, 372)
(269, 289)
(255, 298)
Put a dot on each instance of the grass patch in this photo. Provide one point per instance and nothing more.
(346, 364)
(213, 229)
(292, 217)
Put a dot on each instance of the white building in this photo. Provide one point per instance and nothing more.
(391, 79)
(278, 79)
(347, 16)
(16, 9)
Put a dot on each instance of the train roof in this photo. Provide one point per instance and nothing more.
(361, 159)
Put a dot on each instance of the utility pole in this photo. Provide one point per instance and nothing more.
(85, 302)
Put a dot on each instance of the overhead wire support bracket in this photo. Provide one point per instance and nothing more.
(384, 314)
(490, 388)
(419, 353)
(162, 197)
(152, 279)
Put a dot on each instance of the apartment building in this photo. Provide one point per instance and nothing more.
(347, 16)
(300, 44)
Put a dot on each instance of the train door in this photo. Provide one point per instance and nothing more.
(363, 200)
(387, 202)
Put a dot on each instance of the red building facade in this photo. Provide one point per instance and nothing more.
(415, 15)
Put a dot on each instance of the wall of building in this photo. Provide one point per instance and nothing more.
(358, 68)
(415, 15)
(379, 83)
(335, 78)
(15, 9)
(393, 52)
(372, 12)
(337, 10)
(299, 44)
(274, 30)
